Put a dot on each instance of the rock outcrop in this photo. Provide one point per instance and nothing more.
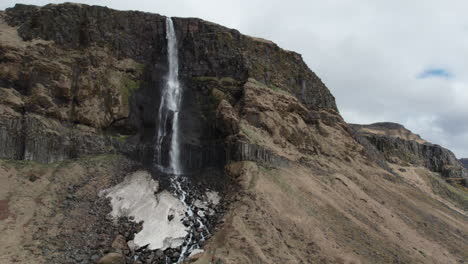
(100, 70)
(399, 145)
(464, 162)
(57, 103)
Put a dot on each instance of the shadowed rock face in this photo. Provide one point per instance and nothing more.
(399, 145)
(464, 162)
(106, 75)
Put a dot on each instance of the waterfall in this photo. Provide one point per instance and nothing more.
(168, 117)
(168, 129)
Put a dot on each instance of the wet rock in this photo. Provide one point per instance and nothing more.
(150, 257)
(159, 253)
(170, 217)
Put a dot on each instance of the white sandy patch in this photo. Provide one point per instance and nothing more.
(135, 197)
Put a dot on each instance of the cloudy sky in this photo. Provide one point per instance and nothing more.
(401, 61)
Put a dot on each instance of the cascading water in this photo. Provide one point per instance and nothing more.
(169, 108)
(168, 120)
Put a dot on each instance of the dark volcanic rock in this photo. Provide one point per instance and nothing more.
(252, 152)
(406, 148)
(93, 46)
(207, 49)
(464, 162)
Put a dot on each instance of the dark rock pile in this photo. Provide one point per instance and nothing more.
(200, 219)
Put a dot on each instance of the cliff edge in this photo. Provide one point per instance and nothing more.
(400, 146)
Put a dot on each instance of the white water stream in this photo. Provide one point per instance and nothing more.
(176, 220)
(168, 120)
(168, 116)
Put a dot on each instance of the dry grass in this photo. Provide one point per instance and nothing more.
(335, 206)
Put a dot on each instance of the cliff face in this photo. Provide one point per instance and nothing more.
(297, 184)
(322, 199)
(98, 70)
(399, 145)
(58, 103)
(464, 162)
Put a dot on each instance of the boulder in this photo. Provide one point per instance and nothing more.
(120, 243)
(112, 258)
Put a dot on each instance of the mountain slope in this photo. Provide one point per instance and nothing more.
(80, 89)
(331, 204)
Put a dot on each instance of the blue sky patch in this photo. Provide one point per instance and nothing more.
(435, 73)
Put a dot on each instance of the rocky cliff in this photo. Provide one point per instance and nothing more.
(80, 89)
(464, 162)
(96, 70)
(399, 145)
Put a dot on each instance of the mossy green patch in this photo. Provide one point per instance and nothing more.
(208, 104)
(128, 87)
(224, 39)
(444, 189)
(223, 81)
(253, 136)
(205, 79)
(100, 158)
(217, 95)
(140, 68)
(226, 81)
(258, 70)
(272, 87)
(26, 164)
(279, 90)
(120, 137)
(219, 89)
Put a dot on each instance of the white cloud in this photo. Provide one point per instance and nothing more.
(368, 52)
